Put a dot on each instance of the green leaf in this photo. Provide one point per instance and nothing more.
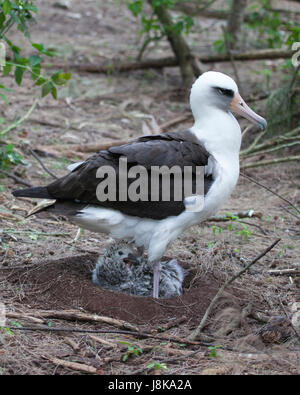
(34, 60)
(135, 7)
(54, 92)
(4, 88)
(35, 72)
(7, 331)
(17, 324)
(42, 49)
(7, 68)
(19, 71)
(2, 20)
(60, 78)
(4, 98)
(6, 7)
(41, 81)
(39, 47)
(125, 357)
(47, 88)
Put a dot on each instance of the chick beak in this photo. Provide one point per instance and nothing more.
(131, 260)
(239, 106)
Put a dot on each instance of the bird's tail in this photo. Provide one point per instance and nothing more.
(35, 192)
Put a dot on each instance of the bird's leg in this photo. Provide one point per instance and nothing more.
(156, 275)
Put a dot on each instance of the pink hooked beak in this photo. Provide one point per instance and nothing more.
(239, 106)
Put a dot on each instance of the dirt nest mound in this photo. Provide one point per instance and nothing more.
(66, 284)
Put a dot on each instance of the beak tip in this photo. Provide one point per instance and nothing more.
(263, 124)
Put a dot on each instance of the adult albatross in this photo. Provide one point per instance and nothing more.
(212, 143)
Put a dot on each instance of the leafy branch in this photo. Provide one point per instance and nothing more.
(20, 13)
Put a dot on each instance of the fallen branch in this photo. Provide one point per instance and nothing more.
(29, 232)
(16, 178)
(71, 343)
(269, 143)
(103, 341)
(295, 158)
(75, 315)
(284, 272)
(171, 61)
(26, 317)
(229, 216)
(276, 148)
(198, 330)
(138, 335)
(196, 10)
(172, 324)
(72, 365)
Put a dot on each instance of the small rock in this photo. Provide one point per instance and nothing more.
(74, 15)
(64, 4)
(70, 138)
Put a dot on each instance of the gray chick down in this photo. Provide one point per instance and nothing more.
(120, 269)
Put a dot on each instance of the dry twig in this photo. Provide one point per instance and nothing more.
(42, 164)
(293, 158)
(284, 272)
(138, 335)
(75, 315)
(16, 178)
(72, 365)
(268, 189)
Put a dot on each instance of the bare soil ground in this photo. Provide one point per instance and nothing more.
(43, 269)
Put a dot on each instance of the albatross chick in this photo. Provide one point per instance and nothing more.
(119, 268)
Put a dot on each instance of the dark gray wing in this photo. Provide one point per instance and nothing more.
(170, 149)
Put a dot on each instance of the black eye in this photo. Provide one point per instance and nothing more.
(225, 92)
(121, 253)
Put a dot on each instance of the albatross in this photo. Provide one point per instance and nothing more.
(212, 143)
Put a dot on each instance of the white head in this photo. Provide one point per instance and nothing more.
(214, 90)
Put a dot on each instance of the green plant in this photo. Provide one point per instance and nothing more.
(213, 351)
(217, 229)
(210, 244)
(19, 14)
(7, 331)
(131, 350)
(234, 221)
(8, 157)
(16, 323)
(151, 28)
(157, 366)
